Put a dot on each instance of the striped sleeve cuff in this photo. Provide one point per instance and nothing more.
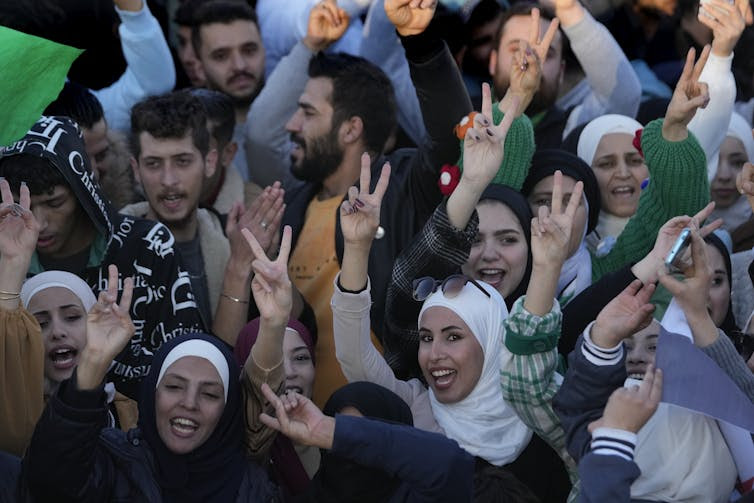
(614, 442)
(600, 356)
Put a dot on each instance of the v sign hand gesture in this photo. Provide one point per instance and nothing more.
(483, 145)
(541, 45)
(271, 286)
(688, 96)
(360, 213)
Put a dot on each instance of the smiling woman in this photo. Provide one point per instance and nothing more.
(188, 445)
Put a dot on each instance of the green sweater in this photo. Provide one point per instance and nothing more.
(678, 186)
(517, 153)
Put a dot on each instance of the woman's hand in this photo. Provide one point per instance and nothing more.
(691, 293)
(271, 286)
(629, 409)
(299, 419)
(646, 269)
(360, 213)
(551, 230)
(483, 145)
(745, 181)
(623, 316)
(727, 22)
(108, 329)
(688, 96)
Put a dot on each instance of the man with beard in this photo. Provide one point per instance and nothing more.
(344, 118)
(610, 86)
(229, 47)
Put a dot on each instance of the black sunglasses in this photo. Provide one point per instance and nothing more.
(450, 286)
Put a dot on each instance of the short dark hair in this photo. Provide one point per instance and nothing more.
(360, 89)
(220, 11)
(78, 103)
(524, 8)
(39, 174)
(171, 115)
(185, 14)
(220, 112)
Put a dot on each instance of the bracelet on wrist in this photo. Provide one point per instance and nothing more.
(9, 295)
(234, 299)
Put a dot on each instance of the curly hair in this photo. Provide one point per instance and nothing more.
(170, 116)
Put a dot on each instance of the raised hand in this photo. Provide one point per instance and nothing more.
(727, 22)
(108, 330)
(551, 229)
(360, 213)
(691, 293)
(623, 316)
(327, 23)
(19, 229)
(646, 269)
(629, 409)
(271, 286)
(525, 76)
(299, 419)
(410, 17)
(541, 45)
(688, 96)
(569, 12)
(745, 181)
(262, 218)
(129, 5)
(483, 145)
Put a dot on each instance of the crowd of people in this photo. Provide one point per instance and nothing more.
(380, 250)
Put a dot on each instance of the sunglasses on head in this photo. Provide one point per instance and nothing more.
(450, 286)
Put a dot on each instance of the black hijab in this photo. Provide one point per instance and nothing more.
(339, 479)
(518, 204)
(729, 323)
(215, 469)
(547, 161)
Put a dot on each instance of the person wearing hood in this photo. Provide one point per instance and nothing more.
(80, 233)
(189, 443)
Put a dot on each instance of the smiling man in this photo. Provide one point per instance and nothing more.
(229, 48)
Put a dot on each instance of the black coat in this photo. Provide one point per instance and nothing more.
(71, 457)
(413, 192)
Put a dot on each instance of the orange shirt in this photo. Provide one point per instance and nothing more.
(312, 267)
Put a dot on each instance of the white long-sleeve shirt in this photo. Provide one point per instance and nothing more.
(150, 69)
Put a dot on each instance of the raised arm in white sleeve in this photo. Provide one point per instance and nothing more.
(150, 69)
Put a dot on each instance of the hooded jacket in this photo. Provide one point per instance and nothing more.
(163, 303)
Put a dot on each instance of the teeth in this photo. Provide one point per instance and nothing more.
(638, 376)
(623, 190)
(172, 198)
(490, 271)
(179, 421)
(442, 373)
(61, 351)
(295, 388)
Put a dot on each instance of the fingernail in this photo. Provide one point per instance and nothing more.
(358, 202)
(490, 133)
(485, 122)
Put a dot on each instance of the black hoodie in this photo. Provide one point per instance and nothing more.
(163, 304)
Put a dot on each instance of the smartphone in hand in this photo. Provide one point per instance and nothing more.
(675, 255)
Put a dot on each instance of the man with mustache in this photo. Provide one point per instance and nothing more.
(228, 45)
(172, 159)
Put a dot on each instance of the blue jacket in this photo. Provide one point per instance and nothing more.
(432, 467)
(606, 479)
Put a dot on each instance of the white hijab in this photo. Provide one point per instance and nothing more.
(61, 279)
(482, 423)
(590, 137)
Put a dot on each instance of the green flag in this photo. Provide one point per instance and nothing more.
(32, 73)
